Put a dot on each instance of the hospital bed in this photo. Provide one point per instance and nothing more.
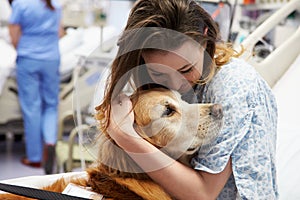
(281, 71)
(275, 65)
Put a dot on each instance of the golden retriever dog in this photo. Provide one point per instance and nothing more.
(175, 127)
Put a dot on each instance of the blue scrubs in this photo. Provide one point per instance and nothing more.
(38, 61)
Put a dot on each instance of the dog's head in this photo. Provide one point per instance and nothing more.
(173, 125)
(166, 121)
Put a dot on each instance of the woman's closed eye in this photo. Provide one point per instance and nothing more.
(187, 70)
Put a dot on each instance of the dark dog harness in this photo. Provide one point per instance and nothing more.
(37, 193)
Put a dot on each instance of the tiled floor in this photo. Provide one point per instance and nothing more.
(11, 151)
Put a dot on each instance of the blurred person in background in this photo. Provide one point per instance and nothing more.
(35, 29)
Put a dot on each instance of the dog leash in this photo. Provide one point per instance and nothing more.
(36, 193)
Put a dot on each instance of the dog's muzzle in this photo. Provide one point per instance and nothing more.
(216, 111)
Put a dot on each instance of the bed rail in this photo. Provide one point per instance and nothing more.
(275, 64)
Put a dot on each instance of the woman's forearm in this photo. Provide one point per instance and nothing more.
(177, 179)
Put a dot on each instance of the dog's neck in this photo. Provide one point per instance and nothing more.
(117, 161)
(185, 159)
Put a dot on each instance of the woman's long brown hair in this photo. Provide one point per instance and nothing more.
(183, 16)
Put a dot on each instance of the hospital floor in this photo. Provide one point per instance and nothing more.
(12, 149)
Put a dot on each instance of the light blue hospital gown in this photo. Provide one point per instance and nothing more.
(248, 134)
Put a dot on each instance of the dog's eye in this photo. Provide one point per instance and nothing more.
(168, 112)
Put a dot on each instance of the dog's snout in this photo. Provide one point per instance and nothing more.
(216, 111)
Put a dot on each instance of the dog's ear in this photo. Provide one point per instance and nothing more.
(141, 115)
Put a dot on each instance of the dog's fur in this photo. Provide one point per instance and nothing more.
(164, 120)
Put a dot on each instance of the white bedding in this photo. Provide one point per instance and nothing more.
(288, 142)
(7, 61)
(80, 42)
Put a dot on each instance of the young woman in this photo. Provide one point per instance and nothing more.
(176, 44)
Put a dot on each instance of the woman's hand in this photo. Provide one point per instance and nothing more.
(120, 127)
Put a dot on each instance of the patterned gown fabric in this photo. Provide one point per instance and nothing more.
(248, 134)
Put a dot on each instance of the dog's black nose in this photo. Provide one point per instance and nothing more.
(216, 111)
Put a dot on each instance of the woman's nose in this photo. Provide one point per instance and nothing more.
(176, 81)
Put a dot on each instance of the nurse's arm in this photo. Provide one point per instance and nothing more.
(15, 33)
(61, 31)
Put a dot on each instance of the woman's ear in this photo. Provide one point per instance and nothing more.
(205, 31)
(143, 55)
(204, 45)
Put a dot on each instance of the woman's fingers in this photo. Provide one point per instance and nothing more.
(121, 110)
(121, 118)
(123, 99)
